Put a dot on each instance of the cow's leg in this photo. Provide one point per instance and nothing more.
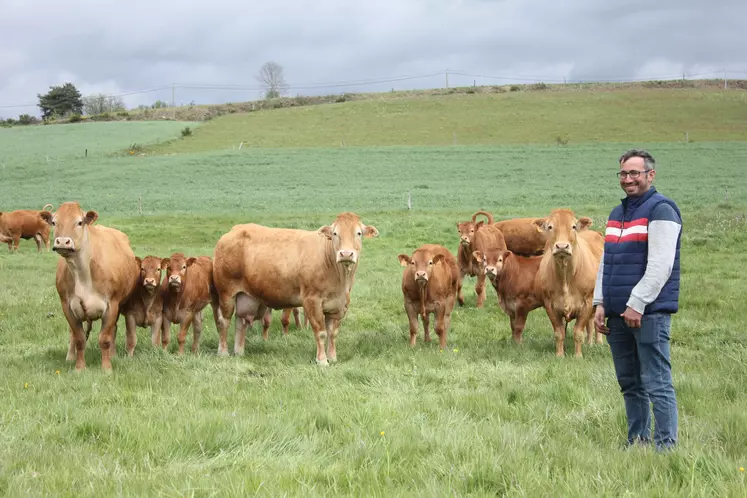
(196, 332)
(558, 327)
(480, 289)
(165, 333)
(332, 326)
(108, 335)
(16, 241)
(441, 331)
(226, 306)
(583, 322)
(155, 331)
(113, 343)
(518, 322)
(181, 337)
(131, 333)
(313, 309)
(240, 335)
(460, 296)
(37, 239)
(266, 321)
(297, 317)
(412, 317)
(285, 319)
(77, 338)
(426, 326)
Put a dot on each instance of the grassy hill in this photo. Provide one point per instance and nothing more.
(570, 115)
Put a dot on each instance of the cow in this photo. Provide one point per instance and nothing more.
(186, 289)
(95, 274)
(285, 319)
(24, 224)
(486, 238)
(258, 267)
(567, 275)
(467, 230)
(522, 237)
(145, 306)
(513, 278)
(429, 285)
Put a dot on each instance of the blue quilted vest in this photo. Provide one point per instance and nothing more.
(626, 252)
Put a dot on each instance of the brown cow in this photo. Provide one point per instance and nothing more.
(467, 230)
(145, 306)
(258, 267)
(429, 285)
(95, 274)
(567, 275)
(187, 288)
(521, 234)
(486, 238)
(513, 278)
(24, 224)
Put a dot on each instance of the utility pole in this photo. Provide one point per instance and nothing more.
(447, 78)
(725, 86)
(173, 101)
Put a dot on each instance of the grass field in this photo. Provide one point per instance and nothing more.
(482, 418)
(626, 115)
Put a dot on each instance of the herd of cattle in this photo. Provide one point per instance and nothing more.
(548, 262)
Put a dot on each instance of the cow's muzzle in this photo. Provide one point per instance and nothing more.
(63, 246)
(346, 257)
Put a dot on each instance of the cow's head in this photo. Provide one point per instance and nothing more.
(150, 272)
(467, 231)
(176, 268)
(420, 265)
(492, 261)
(70, 224)
(560, 229)
(346, 234)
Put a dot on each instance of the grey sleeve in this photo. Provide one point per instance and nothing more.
(598, 296)
(663, 233)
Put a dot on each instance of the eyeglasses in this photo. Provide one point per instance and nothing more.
(632, 174)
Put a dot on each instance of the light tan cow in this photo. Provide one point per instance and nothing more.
(567, 275)
(24, 224)
(257, 267)
(429, 285)
(186, 289)
(145, 306)
(96, 272)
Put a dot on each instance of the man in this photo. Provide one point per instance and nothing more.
(637, 290)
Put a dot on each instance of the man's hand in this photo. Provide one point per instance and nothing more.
(632, 318)
(599, 321)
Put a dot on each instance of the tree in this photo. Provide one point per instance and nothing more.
(61, 101)
(100, 103)
(160, 104)
(271, 77)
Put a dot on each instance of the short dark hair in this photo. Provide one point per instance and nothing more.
(648, 160)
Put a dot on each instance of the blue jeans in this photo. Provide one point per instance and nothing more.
(644, 372)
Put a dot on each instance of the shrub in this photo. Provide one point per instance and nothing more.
(186, 131)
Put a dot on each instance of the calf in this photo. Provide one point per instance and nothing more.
(95, 274)
(429, 285)
(487, 238)
(467, 230)
(514, 280)
(258, 267)
(145, 306)
(187, 288)
(567, 275)
(24, 224)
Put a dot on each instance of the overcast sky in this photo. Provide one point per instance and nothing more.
(128, 46)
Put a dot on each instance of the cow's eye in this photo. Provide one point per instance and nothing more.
(574, 227)
(184, 267)
(359, 233)
(549, 227)
(80, 223)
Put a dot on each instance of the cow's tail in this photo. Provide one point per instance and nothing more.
(484, 213)
(51, 208)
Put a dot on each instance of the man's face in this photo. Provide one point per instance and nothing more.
(633, 185)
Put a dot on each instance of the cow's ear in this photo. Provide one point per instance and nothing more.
(437, 258)
(91, 217)
(479, 224)
(46, 216)
(583, 223)
(191, 261)
(165, 263)
(477, 255)
(540, 223)
(370, 231)
(326, 230)
(404, 259)
(506, 254)
(139, 262)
